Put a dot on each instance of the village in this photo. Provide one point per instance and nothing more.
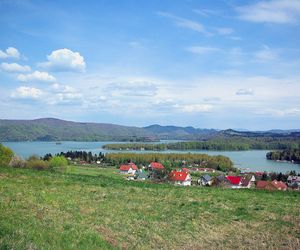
(208, 177)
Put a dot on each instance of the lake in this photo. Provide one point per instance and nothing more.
(252, 160)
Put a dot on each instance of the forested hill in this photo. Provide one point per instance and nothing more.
(180, 133)
(50, 129)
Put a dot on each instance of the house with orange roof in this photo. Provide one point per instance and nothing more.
(129, 168)
(271, 185)
(156, 166)
(180, 178)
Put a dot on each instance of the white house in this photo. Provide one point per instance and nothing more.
(181, 178)
(130, 168)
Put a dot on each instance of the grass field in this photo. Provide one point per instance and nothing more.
(89, 208)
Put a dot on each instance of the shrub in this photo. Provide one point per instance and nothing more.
(17, 162)
(37, 164)
(58, 161)
(6, 155)
(33, 157)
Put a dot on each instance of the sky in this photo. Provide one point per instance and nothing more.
(208, 64)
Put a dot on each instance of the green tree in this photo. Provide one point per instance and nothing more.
(58, 161)
(6, 155)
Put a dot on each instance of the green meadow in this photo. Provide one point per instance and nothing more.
(93, 208)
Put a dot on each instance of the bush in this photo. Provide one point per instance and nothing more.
(6, 155)
(17, 162)
(37, 164)
(58, 161)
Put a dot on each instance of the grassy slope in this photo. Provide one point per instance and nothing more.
(97, 209)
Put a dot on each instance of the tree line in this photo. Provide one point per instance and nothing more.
(88, 157)
(170, 160)
(222, 143)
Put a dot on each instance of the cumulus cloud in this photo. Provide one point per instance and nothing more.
(244, 92)
(24, 92)
(276, 11)
(37, 76)
(10, 53)
(202, 50)
(64, 60)
(14, 68)
(64, 94)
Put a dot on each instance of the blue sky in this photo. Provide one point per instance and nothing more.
(209, 64)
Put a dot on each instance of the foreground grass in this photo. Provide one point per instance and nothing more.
(88, 208)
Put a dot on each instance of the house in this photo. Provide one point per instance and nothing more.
(129, 168)
(234, 181)
(279, 185)
(247, 182)
(261, 184)
(205, 180)
(180, 178)
(271, 185)
(221, 181)
(293, 181)
(156, 166)
(141, 175)
(186, 170)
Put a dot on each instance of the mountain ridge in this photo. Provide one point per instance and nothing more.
(53, 129)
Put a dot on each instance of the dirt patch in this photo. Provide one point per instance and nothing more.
(3, 176)
(110, 237)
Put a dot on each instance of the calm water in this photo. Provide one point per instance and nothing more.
(253, 160)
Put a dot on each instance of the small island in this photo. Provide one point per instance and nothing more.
(289, 155)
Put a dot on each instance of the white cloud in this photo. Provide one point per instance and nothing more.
(37, 76)
(64, 60)
(265, 55)
(202, 50)
(244, 92)
(194, 108)
(224, 31)
(132, 88)
(278, 112)
(206, 12)
(64, 94)
(26, 93)
(236, 38)
(275, 11)
(14, 67)
(10, 53)
(184, 23)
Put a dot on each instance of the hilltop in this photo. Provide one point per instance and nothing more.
(51, 129)
(94, 208)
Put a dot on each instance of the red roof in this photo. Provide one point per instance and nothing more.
(126, 167)
(261, 184)
(185, 170)
(156, 165)
(279, 185)
(178, 176)
(234, 180)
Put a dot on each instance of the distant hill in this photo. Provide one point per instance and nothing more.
(180, 133)
(50, 129)
(270, 133)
